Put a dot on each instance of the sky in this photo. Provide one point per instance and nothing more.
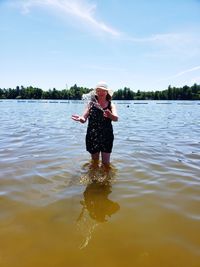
(141, 44)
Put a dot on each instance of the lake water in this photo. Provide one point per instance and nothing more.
(59, 210)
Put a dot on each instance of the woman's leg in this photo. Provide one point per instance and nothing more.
(105, 157)
(95, 156)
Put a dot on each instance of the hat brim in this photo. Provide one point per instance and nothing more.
(110, 92)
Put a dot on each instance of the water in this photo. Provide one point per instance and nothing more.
(143, 211)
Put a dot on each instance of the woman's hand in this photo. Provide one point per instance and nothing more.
(108, 114)
(111, 115)
(78, 118)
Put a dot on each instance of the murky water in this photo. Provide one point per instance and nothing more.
(59, 210)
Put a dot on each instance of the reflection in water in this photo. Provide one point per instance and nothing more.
(97, 203)
(96, 206)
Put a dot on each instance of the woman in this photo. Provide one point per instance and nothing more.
(100, 113)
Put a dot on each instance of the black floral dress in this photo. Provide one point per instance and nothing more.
(99, 137)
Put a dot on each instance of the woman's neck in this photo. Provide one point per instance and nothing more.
(103, 101)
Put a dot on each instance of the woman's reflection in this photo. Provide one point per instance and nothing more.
(96, 206)
(96, 201)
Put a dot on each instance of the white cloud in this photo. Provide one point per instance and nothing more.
(171, 46)
(182, 73)
(166, 38)
(79, 9)
(178, 42)
(186, 71)
(85, 11)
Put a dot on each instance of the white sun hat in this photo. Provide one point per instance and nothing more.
(91, 96)
(103, 85)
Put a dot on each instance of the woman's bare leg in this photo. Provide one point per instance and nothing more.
(95, 156)
(105, 158)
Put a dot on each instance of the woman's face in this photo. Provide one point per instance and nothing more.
(101, 92)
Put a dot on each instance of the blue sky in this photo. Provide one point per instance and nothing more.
(140, 44)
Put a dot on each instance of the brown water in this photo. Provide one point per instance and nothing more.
(58, 210)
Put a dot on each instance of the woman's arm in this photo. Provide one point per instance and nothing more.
(82, 118)
(111, 115)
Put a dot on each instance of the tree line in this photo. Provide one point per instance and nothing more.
(171, 93)
(75, 93)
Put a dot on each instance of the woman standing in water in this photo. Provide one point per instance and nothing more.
(100, 113)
